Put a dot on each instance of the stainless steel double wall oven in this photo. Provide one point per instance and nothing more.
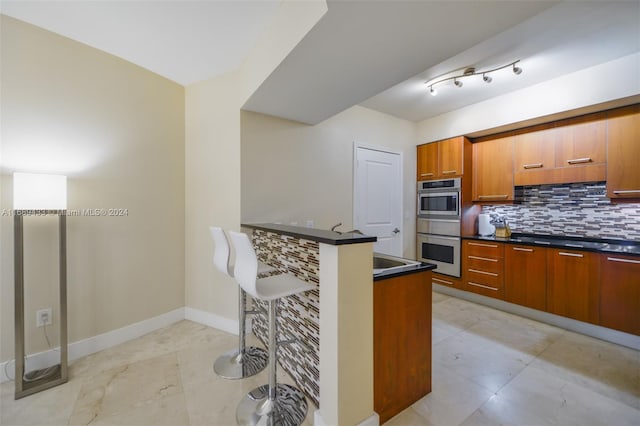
(438, 224)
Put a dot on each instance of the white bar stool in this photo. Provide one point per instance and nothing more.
(243, 361)
(272, 404)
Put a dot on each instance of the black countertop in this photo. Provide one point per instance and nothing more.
(313, 234)
(407, 270)
(560, 241)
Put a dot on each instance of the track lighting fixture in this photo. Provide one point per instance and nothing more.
(470, 72)
(516, 70)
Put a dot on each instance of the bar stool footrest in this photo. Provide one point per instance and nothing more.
(230, 365)
(288, 409)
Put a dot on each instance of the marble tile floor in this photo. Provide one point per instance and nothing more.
(489, 368)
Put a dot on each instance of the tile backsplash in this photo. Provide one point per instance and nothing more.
(578, 209)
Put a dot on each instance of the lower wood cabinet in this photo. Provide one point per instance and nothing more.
(483, 268)
(401, 342)
(620, 293)
(525, 278)
(573, 279)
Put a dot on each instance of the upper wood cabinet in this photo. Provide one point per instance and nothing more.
(575, 151)
(534, 151)
(623, 152)
(493, 170)
(443, 159)
(573, 281)
(450, 157)
(581, 144)
(428, 161)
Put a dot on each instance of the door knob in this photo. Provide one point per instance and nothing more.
(396, 231)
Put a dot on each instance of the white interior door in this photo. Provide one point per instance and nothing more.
(378, 197)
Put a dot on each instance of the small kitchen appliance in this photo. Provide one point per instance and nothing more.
(485, 228)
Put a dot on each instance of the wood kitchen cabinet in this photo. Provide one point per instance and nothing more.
(441, 160)
(401, 342)
(572, 151)
(427, 161)
(534, 151)
(573, 279)
(446, 281)
(620, 293)
(623, 152)
(493, 170)
(483, 268)
(525, 278)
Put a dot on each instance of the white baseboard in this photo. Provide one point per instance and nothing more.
(373, 420)
(211, 320)
(94, 344)
(602, 333)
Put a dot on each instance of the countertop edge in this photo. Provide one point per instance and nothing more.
(423, 267)
(313, 234)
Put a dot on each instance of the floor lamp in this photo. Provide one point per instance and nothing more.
(38, 194)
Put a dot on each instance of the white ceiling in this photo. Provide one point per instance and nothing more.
(182, 40)
(372, 53)
(565, 38)
(360, 48)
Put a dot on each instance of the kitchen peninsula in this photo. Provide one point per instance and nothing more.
(341, 264)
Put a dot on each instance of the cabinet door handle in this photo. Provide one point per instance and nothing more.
(483, 272)
(628, 191)
(615, 259)
(493, 196)
(482, 258)
(532, 166)
(426, 174)
(579, 160)
(483, 245)
(438, 280)
(562, 253)
(483, 286)
(523, 249)
(449, 172)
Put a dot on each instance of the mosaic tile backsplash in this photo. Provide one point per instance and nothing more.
(298, 315)
(577, 210)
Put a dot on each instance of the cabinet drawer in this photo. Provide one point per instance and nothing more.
(446, 280)
(486, 249)
(485, 264)
(485, 278)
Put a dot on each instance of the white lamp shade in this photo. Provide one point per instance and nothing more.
(33, 191)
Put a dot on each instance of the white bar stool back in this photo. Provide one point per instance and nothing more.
(243, 361)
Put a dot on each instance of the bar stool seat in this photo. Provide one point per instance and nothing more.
(242, 361)
(272, 404)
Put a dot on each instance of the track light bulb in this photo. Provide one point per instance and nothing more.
(487, 78)
(517, 70)
(432, 91)
(458, 83)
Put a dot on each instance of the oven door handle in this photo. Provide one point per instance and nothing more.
(439, 237)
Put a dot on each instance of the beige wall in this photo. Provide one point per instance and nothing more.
(117, 131)
(292, 172)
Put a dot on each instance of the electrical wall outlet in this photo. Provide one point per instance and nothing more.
(310, 223)
(43, 317)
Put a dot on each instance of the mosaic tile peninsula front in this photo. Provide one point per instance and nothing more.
(298, 315)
